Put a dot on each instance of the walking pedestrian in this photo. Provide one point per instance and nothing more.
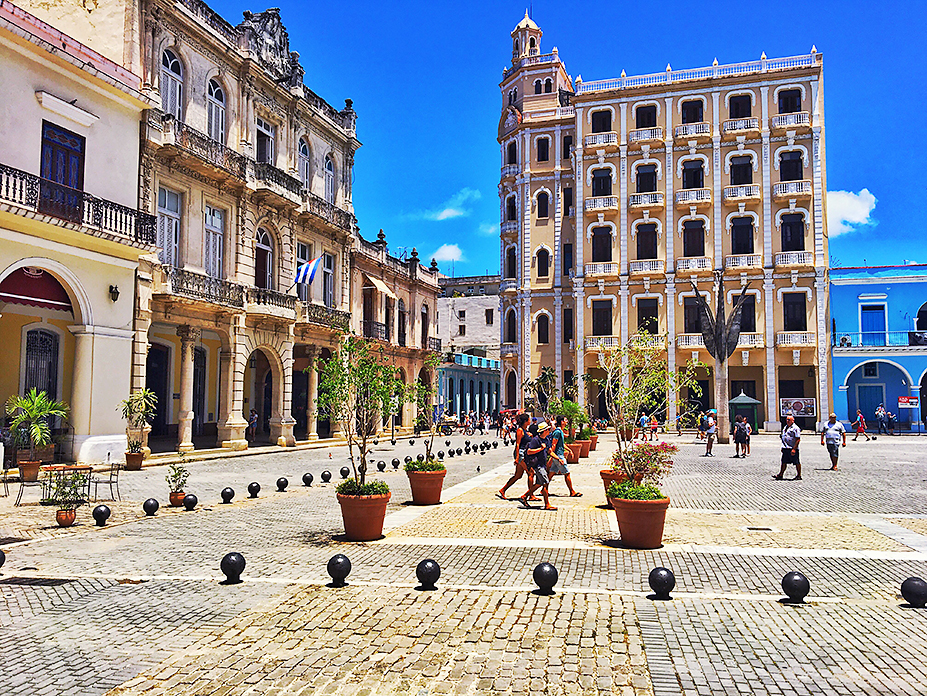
(710, 432)
(749, 433)
(557, 462)
(252, 425)
(643, 425)
(740, 437)
(881, 418)
(892, 420)
(860, 425)
(536, 459)
(791, 437)
(654, 426)
(830, 436)
(521, 424)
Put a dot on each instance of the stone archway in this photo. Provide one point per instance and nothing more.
(263, 397)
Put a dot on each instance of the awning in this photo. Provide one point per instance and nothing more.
(36, 288)
(380, 286)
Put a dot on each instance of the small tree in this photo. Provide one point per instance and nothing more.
(356, 386)
(638, 379)
(30, 415)
(423, 394)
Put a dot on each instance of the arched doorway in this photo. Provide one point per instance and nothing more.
(323, 424)
(263, 394)
(878, 382)
(511, 390)
(157, 372)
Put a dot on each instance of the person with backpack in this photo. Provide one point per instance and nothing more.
(740, 437)
(536, 456)
(557, 462)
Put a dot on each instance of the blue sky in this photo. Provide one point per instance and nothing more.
(424, 80)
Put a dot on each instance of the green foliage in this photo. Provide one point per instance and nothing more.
(571, 410)
(569, 440)
(585, 434)
(135, 446)
(30, 415)
(177, 475)
(422, 394)
(68, 491)
(139, 409)
(628, 490)
(425, 465)
(647, 462)
(355, 487)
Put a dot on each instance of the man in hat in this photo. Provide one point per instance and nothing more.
(536, 459)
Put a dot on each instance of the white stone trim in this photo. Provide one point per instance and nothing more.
(789, 211)
(610, 225)
(692, 97)
(65, 276)
(65, 109)
(647, 221)
(645, 295)
(739, 93)
(545, 312)
(595, 109)
(647, 161)
(706, 163)
(790, 148)
(684, 218)
(704, 293)
(729, 220)
(542, 189)
(601, 165)
(794, 288)
(791, 85)
(752, 291)
(754, 156)
(613, 298)
(647, 102)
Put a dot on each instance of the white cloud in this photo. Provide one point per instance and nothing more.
(453, 207)
(848, 211)
(488, 229)
(447, 252)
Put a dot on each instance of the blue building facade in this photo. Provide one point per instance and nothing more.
(879, 342)
(468, 383)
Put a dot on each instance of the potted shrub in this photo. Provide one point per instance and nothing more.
(134, 456)
(636, 499)
(177, 475)
(138, 411)
(68, 496)
(426, 477)
(29, 420)
(356, 386)
(584, 439)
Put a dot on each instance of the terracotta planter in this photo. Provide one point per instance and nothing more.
(29, 470)
(641, 522)
(627, 434)
(610, 476)
(134, 461)
(594, 439)
(363, 515)
(65, 518)
(176, 498)
(585, 444)
(572, 452)
(426, 486)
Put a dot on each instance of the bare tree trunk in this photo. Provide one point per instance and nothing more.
(721, 401)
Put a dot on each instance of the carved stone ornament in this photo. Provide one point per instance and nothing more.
(512, 119)
(268, 40)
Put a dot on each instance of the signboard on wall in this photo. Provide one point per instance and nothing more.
(909, 402)
(798, 407)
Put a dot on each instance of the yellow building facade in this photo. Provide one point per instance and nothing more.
(615, 194)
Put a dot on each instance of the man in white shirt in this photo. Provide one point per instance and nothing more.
(791, 436)
(831, 435)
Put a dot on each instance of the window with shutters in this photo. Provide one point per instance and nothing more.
(790, 166)
(511, 266)
(646, 116)
(601, 121)
(548, 86)
(543, 330)
(305, 161)
(215, 111)
(793, 311)
(692, 316)
(537, 86)
(330, 189)
(647, 178)
(303, 256)
(567, 259)
(511, 153)
(789, 101)
(601, 317)
(169, 226)
(543, 263)
(693, 174)
(741, 170)
(171, 85)
(567, 147)
(742, 235)
(266, 134)
(793, 232)
(214, 241)
(511, 332)
(741, 106)
(601, 182)
(693, 238)
(543, 205)
(264, 260)
(646, 241)
(748, 315)
(510, 212)
(692, 111)
(568, 200)
(543, 149)
(328, 280)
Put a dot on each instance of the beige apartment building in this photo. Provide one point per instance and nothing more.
(616, 193)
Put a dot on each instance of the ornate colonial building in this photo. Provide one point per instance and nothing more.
(615, 193)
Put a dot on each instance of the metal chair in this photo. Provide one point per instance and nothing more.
(111, 480)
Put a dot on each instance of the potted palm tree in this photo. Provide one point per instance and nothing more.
(68, 496)
(138, 411)
(177, 475)
(29, 420)
(134, 456)
(426, 475)
(356, 385)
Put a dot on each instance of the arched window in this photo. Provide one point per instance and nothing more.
(543, 329)
(511, 328)
(543, 205)
(215, 111)
(543, 263)
(548, 86)
(424, 326)
(41, 364)
(510, 212)
(792, 229)
(693, 174)
(921, 322)
(517, 46)
(329, 180)
(264, 260)
(511, 153)
(601, 182)
(790, 166)
(171, 85)
(304, 162)
(510, 263)
(537, 86)
(401, 326)
(532, 42)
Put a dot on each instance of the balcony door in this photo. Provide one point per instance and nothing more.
(872, 325)
(62, 172)
(601, 317)
(601, 245)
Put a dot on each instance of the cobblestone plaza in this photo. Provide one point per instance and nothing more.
(136, 607)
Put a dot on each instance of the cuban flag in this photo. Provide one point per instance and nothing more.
(306, 272)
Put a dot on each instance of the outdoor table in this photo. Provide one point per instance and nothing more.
(56, 472)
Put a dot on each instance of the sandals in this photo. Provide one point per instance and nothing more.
(576, 495)
(778, 478)
(524, 502)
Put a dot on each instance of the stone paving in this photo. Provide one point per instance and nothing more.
(136, 606)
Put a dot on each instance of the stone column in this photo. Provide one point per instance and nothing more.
(312, 395)
(231, 424)
(282, 421)
(232, 430)
(188, 338)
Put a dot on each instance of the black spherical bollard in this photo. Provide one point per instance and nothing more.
(2, 558)
(467, 449)
(796, 586)
(447, 443)
(338, 567)
(545, 577)
(466, 442)
(227, 495)
(253, 489)
(326, 476)
(914, 591)
(376, 442)
(450, 453)
(150, 506)
(100, 514)
(282, 483)
(307, 479)
(483, 452)
(395, 463)
(459, 451)
(440, 454)
(420, 457)
(411, 443)
(345, 472)
(392, 442)
(661, 581)
(189, 501)
(408, 459)
(428, 572)
(495, 444)
(232, 566)
(381, 465)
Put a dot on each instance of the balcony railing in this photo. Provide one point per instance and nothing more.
(72, 205)
(266, 172)
(649, 341)
(375, 329)
(602, 203)
(743, 261)
(508, 350)
(740, 125)
(693, 263)
(742, 192)
(686, 197)
(509, 226)
(603, 268)
(653, 199)
(600, 139)
(324, 316)
(881, 339)
(559, 112)
(799, 118)
(792, 189)
(750, 340)
(204, 147)
(646, 266)
(328, 212)
(795, 258)
(508, 285)
(690, 340)
(271, 298)
(693, 130)
(510, 171)
(645, 135)
(434, 344)
(795, 338)
(602, 342)
(202, 287)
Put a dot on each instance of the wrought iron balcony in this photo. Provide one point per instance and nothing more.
(311, 313)
(96, 216)
(197, 286)
(434, 344)
(881, 339)
(211, 152)
(375, 329)
(271, 302)
(324, 210)
(509, 226)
